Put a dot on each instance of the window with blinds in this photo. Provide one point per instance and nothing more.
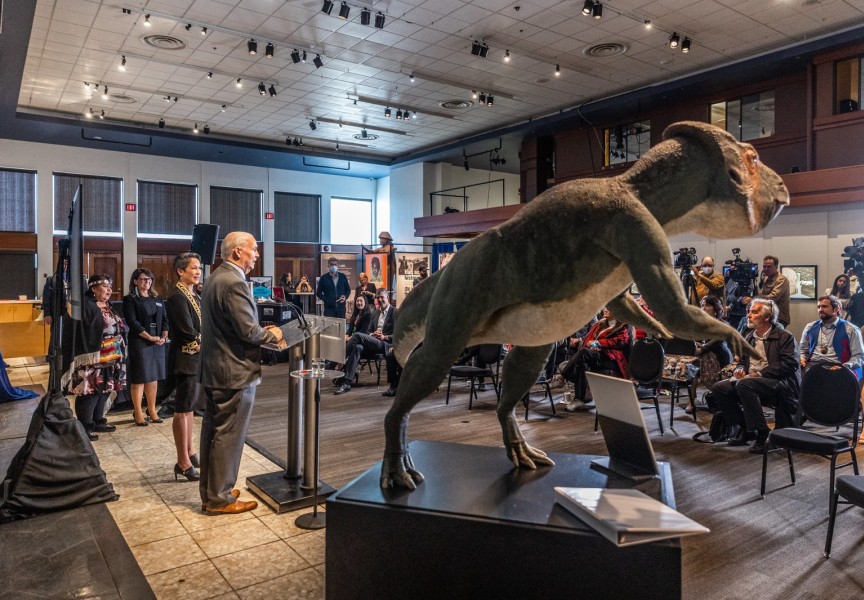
(166, 209)
(234, 209)
(101, 203)
(18, 199)
(298, 218)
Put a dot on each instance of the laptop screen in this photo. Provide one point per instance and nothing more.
(624, 429)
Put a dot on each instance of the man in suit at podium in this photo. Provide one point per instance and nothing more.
(231, 340)
(333, 289)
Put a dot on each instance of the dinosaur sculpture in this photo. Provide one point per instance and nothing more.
(575, 248)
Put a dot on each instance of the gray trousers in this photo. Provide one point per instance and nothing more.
(223, 434)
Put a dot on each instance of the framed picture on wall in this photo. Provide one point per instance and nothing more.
(802, 281)
(375, 265)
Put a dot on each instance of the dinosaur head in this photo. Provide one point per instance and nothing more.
(744, 194)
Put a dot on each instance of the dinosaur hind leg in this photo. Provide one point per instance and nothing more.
(521, 369)
(425, 369)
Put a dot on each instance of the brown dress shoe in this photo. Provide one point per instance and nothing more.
(235, 492)
(238, 506)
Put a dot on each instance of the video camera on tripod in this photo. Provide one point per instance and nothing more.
(854, 255)
(740, 283)
(685, 258)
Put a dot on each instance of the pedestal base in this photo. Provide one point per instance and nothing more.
(478, 528)
(285, 495)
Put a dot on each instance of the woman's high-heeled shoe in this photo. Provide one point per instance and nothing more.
(142, 423)
(196, 462)
(156, 420)
(190, 474)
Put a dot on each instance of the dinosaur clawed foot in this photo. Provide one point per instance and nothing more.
(397, 470)
(525, 456)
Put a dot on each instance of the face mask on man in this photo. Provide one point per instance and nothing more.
(707, 270)
(334, 269)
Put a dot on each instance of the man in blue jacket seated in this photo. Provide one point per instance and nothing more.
(774, 382)
(832, 339)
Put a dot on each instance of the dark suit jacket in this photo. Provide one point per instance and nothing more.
(329, 293)
(389, 323)
(135, 314)
(781, 352)
(185, 329)
(231, 337)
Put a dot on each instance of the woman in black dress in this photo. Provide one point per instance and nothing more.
(183, 308)
(361, 318)
(148, 329)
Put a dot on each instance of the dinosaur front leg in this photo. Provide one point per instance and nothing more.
(521, 368)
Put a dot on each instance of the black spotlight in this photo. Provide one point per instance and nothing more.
(483, 99)
(673, 40)
(317, 61)
(344, 11)
(685, 45)
(268, 52)
(210, 75)
(313, 125)
(327, 7)
(253, 47)
(161, 123)
(597, 11)
(262, 89)
(363, 134)
(475, 48)
(588, 7)
(206, 129)
(188, 26)
(398, 115)
(272, 91)
(295, 56)
(466, 166)
(484, 50)
(365, 16)
(303, 58)
(489, 100)
(379, 20)
(387, 112)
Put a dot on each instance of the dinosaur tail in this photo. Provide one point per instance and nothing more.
(411, 324)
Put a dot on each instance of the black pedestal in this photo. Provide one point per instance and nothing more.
(283, 495)
(478, 528)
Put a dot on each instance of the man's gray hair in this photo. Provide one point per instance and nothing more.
(770, 308)
(233, 240)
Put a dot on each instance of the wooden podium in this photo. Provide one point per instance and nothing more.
(479, 528)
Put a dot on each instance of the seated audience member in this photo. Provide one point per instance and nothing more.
(365, 289)
(604, 350)
(423, 273)
(304, 287)
(361, 318)
(712, 355)
(842, 291)
(369, 344)
(565, 350)
(832, 339)
(287, 282)
(773, 382)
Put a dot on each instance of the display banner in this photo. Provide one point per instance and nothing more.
(408, 271)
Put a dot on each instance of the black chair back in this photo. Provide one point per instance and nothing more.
(829, 395)
(680, 347)
(488, 354)
(646, 361)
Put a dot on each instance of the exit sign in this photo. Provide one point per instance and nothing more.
(130, 207)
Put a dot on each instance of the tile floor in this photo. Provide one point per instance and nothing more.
(182, 552)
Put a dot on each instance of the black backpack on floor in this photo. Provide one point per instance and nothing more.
(717, 431)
